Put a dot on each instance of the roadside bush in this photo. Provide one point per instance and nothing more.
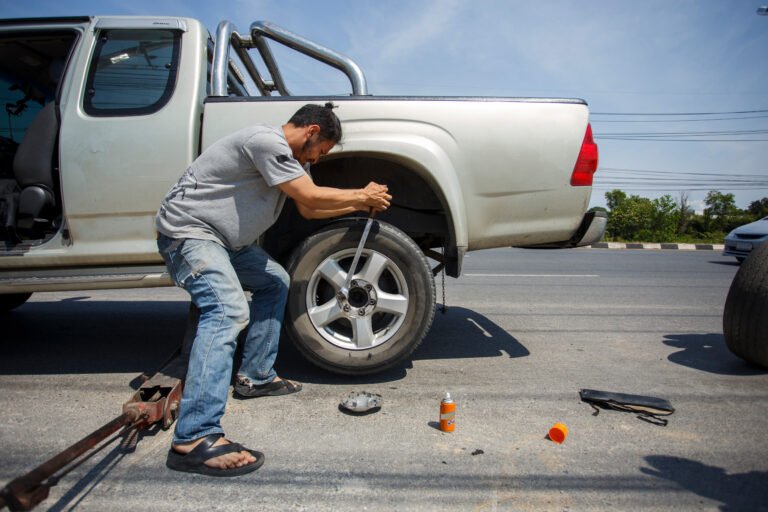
(639, 219)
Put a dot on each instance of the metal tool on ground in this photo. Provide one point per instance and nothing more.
(344, 291)
(156, 401)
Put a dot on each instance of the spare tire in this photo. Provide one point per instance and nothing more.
(745, 318)
(387, 312)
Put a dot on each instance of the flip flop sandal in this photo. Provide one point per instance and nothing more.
(194, 461)
(275, 388)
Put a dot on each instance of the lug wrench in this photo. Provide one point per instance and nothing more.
(344, 292)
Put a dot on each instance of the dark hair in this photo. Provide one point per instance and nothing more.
(321, 115)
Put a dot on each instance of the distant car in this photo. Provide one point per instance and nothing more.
(742, 240)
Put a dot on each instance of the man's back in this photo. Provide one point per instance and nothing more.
(230, 194)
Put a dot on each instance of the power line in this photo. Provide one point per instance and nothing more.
(603, 121)
(762, 174)
(676, 181)
(665, 181)
(630, 180)
(677, 186)
(678, 113)
(647, 139)
(657, 184)
(686, 134)
(682, 183)
(670, 189)
(691, 136)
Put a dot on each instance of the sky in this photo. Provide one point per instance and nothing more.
(677, 90)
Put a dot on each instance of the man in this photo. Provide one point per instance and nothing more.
(231, 194)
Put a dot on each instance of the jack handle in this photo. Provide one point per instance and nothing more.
(155, 401)
(27, 491)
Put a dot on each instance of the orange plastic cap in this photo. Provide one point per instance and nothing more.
(558, 432)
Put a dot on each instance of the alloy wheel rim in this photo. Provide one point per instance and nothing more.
(373, 310)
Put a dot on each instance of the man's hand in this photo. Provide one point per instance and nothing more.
(376, 197)
(316, 202)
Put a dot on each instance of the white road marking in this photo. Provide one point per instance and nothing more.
(532, 275)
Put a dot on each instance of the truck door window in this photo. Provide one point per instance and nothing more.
(31, 66)
(133, 72)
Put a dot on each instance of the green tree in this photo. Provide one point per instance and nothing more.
(665, 219)
(631, 219)
(758, 209)
(684, 214)
(720, 208)
(614, 198)
(635, 218)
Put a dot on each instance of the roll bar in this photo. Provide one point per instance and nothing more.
(227, 36)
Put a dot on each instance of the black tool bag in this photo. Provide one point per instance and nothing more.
(649, 408)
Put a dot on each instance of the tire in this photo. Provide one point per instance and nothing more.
(9, 301)
(390, 304)
(745, 317)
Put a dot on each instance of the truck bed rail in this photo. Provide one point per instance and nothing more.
(227, 36)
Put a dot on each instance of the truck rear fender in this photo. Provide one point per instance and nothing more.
(423, 156)
(426, 197)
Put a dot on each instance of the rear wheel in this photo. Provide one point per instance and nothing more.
(387, 312)
(745, 321)
(11, 301)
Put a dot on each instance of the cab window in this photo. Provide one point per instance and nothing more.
(133, 72)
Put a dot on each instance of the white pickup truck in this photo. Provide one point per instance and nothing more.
(105, 113)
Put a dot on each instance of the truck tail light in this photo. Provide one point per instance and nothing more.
(586, 164)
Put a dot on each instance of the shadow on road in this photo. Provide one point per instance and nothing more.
(727, 263)
(124, 445)
(460, 333)
(463, 333)
(81, 336)
(741, 491)
(78, 336)
(709, 353)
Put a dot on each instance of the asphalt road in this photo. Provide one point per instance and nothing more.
(524, 332)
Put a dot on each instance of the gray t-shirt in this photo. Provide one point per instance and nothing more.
(229, 194)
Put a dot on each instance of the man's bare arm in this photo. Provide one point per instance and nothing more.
(309, 213)
(316, 202)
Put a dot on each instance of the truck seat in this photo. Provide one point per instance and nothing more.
(33, 168)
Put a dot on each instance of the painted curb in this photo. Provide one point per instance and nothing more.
(665, 246)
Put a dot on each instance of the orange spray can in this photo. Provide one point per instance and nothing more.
(447, 413)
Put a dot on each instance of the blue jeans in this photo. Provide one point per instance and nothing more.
(216, 279)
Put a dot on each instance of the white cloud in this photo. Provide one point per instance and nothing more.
(430, 25)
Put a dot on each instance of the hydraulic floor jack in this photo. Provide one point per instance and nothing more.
(156, 401)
